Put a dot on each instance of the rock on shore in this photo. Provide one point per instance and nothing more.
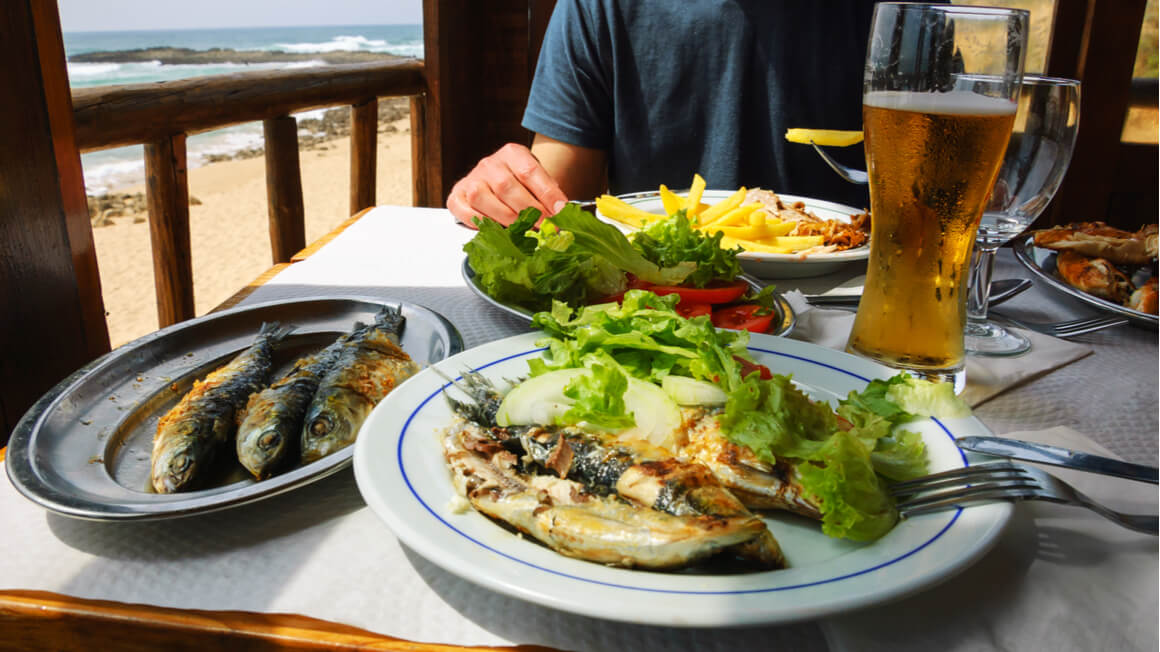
(168, 56)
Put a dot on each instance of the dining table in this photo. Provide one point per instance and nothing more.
(316, 568)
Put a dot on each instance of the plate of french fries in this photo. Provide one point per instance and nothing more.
(781, 236)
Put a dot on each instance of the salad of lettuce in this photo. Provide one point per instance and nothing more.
(845, 455)
(575, 258)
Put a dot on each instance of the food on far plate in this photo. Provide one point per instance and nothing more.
(577, 259)
(315, 409)
(1145, 298)
(369, 364)
(754, 219)
(644, 439)
(1103, 261)
(1099, 240)
(189, 435)
(1096, 276)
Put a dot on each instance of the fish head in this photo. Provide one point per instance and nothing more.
(268, 445)
(176, 467)
(333, 423)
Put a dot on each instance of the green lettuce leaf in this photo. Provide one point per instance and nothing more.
(599, 399)
(855, 504)
(673, 241)
(607, 242)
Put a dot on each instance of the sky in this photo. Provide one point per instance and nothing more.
(104, 15)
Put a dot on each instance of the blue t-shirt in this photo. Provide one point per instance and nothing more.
(669, 88)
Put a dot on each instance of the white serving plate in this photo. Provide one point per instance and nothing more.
(402, 475)
(765, 265)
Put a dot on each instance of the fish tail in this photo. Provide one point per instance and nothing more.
(274, 331)
(391, 319)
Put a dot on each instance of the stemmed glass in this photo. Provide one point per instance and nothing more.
(1037, 157)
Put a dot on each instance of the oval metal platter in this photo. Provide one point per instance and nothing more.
(83, 449)
(1041, 263)
(783, 323)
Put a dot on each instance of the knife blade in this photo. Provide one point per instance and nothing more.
(1056, 456)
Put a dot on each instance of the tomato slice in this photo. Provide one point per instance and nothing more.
(689, 309)
(742, 317)
(748, 367)
(716, 292)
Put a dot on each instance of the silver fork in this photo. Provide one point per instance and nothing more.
(1068, 328)
(1001, 481)
(853, 175)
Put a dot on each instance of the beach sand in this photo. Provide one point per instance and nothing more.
(229, 230)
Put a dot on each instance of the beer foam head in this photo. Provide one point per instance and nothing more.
(953, 102)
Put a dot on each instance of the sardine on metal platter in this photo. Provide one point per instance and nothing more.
(271, 423)
(568, 518)
(190, 434)
(369, 364)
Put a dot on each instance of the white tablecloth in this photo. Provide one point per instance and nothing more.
(1058, 575)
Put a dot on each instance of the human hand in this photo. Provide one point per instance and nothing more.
(502, 185)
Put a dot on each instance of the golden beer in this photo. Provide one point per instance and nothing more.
(932, 159)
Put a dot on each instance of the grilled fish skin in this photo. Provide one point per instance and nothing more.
(572, 521)
(368, 365)
(756, 484)
(271, 423)
(189, 435)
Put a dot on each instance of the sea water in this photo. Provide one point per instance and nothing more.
(124, 166)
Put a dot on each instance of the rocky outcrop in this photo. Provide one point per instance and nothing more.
(226, 55)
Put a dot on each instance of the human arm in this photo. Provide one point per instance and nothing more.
(515, 178)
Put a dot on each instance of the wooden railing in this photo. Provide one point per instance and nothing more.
(161, 116)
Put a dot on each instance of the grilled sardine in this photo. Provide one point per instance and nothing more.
(368, 365)
(568, 518)
(189, 435)
(271, 423)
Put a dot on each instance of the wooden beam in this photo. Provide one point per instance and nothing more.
(284, 188)
(1099, 49)
(167, 195)
(111, 116)
(476, 50)
(52, 321)
(364, 130)
(421, 189)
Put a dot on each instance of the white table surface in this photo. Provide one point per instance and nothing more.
(319, 551)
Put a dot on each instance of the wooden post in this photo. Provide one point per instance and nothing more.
(284, 188)
(53, 319)
(364, 129)
(421, 194)
(167, 194)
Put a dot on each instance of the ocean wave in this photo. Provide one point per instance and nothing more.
(343, 42)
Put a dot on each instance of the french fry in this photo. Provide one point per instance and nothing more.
(693, 201)
(736, 217)
(780, 227)
(715, 211)
(757, 218)
(799, 242)
(749, 245)
(670, 200)
(625, 213)
(754, 233)
(828, 137)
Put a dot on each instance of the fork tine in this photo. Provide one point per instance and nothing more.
(1082, 326)
(975, 473)
(968, 496)
(1002, 486)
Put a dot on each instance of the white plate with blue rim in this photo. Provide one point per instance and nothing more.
(402, 475)
(767, 265)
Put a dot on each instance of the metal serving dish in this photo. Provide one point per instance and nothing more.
(783, 323)
(1041, 262)
(83, 449)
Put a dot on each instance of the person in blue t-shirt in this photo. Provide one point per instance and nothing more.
(630, 95)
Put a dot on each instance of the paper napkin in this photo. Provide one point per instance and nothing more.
(986, 376)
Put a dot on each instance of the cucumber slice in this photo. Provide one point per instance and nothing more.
(690, 391)
(541, 401)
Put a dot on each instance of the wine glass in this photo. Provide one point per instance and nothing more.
(1037, 157)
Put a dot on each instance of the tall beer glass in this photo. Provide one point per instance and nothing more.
(939, 91)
